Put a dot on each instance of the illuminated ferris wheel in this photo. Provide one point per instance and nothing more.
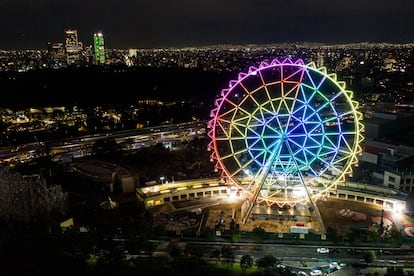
(285, 132)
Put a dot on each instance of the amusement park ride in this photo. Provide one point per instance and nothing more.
(285, 133)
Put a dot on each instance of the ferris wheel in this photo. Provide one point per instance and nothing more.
(285, 132)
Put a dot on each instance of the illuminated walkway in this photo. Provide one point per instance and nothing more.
(386, 198)
(204, 192)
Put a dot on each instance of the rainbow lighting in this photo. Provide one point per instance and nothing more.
(285, 132)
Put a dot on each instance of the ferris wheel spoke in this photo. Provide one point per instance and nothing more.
(297, 144)
(222, 130)
(252, 142)
(280, 107)
(254, 128)
(260, 119)
(237, 143)
(316, 112)
(269, 98)
(331, 143)
(294, 98)
(289, 121)
(344, 114)
(280, 124)
(344, 152)
(312, 140)
(328, 154)
(346, 143)
(227, 113)
(310, 155)
(297, 115)
(311, 96)
(269, 113)
(258, 155)
(238, 129)
(298, 73)
(264, 114)
(244, 111)
(241, 117)
(272, 129)
(331, 120)
(227, 156)
(315, 127)
(310, 78)
(306, 97)
(228, 101)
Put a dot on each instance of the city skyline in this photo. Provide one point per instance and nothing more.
(28, 24)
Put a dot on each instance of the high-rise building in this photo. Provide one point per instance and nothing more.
(56, 55)
(130, 58)
(320, 59)
(98, 49)
(73, 47)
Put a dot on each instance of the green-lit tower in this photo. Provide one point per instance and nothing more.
(98, 49)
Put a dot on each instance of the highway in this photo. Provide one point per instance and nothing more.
(82, 145)
(305, 257)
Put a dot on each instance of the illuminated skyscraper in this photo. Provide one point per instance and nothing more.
(73, 47)
(98, 49)
(56, 54)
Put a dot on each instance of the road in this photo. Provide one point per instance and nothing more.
(81, 146)
(304, 257)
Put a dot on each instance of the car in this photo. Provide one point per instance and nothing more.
(316, 272)
(333, 265)
(322, 250)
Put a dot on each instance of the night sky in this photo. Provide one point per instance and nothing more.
(163, 23)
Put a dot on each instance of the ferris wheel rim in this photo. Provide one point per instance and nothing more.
(354, 148)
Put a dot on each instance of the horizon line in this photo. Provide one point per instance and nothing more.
(245, 45)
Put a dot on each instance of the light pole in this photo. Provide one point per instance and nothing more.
(381, 227)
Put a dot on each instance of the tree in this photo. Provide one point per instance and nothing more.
(215, 254)
(369, 256)
(195, 251)
(188, 266)
(266, 262)
(258, 234)
(395, 237)
(394, 271)
(356, 236)
(374, 236)
(235, 235)
(227, 254)
(246, 262)
(29, 199)
(332, 234)
(208, 233)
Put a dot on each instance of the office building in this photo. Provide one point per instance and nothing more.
(56, 55)
(98, 49)
(73, 47)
